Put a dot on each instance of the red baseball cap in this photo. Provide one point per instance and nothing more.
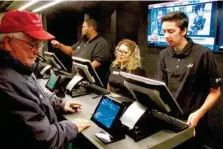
(24, 21)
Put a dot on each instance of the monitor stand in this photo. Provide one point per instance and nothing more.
(147, 125)
(79, 91)
(106, 138)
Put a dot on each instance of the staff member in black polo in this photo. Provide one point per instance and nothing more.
(189, 70)
(91, 46)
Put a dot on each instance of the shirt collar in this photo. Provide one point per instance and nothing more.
(88, 41)
(186, 50)
(93, 38)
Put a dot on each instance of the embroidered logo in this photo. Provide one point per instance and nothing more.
(115, 72)
(218, 80)
(190, 65)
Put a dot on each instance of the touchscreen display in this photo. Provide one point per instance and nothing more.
(106, 112)
(52, 81)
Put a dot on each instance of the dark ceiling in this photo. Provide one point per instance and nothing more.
(78, 6)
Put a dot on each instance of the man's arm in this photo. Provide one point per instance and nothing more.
(64, 48)
(100, 54)
(56, 102)
(209, 63)
(160, 73)
(108, 87)
(211, 99)
(28, 114)
(95, 64)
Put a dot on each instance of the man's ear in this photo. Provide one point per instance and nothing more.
(6, 43)
(184, 31)
(91, 28)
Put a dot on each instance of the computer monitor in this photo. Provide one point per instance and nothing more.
(106, 116)
(86, 70)
(203, 21)
(52, 82)
(52, 58)
(152, 93)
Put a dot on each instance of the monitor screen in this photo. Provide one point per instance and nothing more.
(86, 70)
(107, 112)
(202, 16)
(220, 39)
(52, 82)
(152, 93)
(53, 60)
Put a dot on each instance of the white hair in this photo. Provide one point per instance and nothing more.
(16, 35)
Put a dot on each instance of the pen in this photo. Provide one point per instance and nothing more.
(96, 96)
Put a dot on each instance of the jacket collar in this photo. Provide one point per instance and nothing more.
(6, 60)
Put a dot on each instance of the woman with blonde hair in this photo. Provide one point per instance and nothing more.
(128, 60)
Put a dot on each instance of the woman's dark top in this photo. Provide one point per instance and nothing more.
(116, 81)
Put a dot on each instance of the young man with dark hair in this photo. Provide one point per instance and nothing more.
(190, 71)
(28, 115)
(91, 46)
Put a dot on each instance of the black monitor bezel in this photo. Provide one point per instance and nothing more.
(156, 85)
(117, 119)
(56, 59)
(91, 69)
(57, 82)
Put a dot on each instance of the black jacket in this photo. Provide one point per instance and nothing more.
(28, 119)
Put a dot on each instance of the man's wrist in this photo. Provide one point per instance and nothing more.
(202, 111)
(60, 45)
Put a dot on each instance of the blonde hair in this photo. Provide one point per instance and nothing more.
(134, 58)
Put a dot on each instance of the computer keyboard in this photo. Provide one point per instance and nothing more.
(98, 90)
(170, 122)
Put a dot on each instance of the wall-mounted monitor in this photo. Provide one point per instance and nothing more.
(202, 26)
(220, 39)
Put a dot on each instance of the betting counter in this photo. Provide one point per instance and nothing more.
(159, 140)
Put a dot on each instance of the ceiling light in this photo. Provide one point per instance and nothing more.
(28, 4)
(47, 5)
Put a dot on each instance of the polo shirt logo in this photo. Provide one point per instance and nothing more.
(115, 72)
(190, 65)
(218, 80)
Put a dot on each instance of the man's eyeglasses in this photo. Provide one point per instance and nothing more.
(32, 46)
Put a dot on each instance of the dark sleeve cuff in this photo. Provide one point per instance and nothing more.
(72, 130)
(215, 82)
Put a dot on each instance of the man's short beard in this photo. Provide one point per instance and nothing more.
(84, 37)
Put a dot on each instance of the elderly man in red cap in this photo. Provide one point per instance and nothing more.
(28, 119)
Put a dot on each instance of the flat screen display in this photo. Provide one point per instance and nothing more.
(106, 112)
(202, 16)
(51, 83)
(220, 39)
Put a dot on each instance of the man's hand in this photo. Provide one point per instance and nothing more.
(71, 107)
(55, 44)
(194, 118)
(82, 124)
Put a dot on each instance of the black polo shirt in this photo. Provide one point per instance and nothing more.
(95, 49)
(189, 75)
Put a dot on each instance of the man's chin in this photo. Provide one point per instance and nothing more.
(30, 64)
(83, 35)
